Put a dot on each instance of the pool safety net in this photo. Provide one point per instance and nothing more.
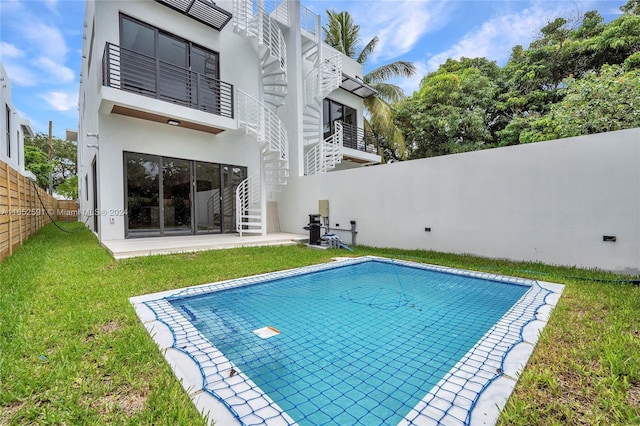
(363, 341)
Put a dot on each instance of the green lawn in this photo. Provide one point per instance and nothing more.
(72, 350)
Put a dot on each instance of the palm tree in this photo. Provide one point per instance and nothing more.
(343, 35)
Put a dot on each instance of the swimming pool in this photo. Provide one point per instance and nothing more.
(362, 341)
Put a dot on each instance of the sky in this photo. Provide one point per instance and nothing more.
(41, 41)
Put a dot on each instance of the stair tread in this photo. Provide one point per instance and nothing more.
(250, 217)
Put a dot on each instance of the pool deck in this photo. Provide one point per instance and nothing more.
(134, 247)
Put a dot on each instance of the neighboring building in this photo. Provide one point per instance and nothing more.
(13, 129)
(192, 113)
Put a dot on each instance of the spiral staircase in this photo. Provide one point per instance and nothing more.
(321, 155)
(256, 115)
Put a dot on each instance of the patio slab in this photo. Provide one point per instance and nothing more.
(134, 247)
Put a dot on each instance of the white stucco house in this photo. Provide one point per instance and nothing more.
(193, 114)
(13, 129)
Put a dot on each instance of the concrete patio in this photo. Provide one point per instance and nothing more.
(134, 247)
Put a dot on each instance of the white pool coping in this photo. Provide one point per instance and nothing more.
(480, 383)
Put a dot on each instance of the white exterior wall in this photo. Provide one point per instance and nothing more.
(16, 134)
(551, 202)
(117, 133)
(134, 135)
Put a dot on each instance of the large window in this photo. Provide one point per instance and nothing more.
(158, 63)
(171, 196)
(333, 111)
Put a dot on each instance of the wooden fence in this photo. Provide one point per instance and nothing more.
(25, 208)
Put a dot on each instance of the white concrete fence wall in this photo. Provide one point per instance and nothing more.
(551, 202)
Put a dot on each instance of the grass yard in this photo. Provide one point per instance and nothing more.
(72, 350)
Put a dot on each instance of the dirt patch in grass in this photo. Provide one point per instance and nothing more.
(104, 329)
(8, 412)
(109, 327)
(633, 394)
(125, 400)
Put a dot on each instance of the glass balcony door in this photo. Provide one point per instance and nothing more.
(333, 111)
(205, 63)
(137, 58)
(159, 64)
(173, 78)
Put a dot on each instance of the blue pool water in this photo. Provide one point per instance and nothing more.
(358, 344)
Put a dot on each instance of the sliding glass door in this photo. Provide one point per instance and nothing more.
(170, 196)
(208, 199)
(176, 196)
(143, 193)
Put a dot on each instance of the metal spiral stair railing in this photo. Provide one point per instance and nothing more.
(251, 20)
(324, 156)
(260, 121)
(321, 154)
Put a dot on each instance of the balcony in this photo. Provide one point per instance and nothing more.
(359, 146)
(139, 74)
(359, 139)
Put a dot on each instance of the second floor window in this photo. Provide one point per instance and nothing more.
(333, 111)
(147, 51)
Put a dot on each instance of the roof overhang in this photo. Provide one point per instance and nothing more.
(204, 11)
(27, 130)
(357, 86)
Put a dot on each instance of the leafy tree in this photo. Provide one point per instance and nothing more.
(343, 35)
(63, 161)
(598, 102)
(536, 77)
(69, 188)
(620, 39)
(38, 163)
(454, 110)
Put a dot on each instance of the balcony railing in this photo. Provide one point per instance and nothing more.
(359, 139)
(135, 72)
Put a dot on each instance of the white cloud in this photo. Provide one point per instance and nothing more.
(48, 40)
(400, 24)
(496, 37)
(19, 75)
(8, 50)
(61, 73)
(61, 101)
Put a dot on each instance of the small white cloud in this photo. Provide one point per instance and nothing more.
(61, 101)
(58, 71)
(8, 50)
(47, 39)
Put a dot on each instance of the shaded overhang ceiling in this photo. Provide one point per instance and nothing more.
(204, 11)
(357, 86)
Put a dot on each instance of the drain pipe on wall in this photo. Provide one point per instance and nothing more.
(352, 230)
